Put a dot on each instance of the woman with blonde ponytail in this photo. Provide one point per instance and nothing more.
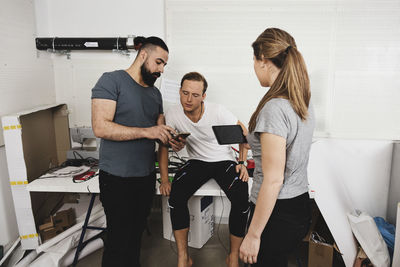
(280, 135)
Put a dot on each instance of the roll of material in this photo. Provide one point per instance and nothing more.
(87, 250)
(58, 254)
(8, 253)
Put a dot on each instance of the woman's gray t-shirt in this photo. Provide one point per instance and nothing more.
(279, 118)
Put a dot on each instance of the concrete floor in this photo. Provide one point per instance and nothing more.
(157, 251)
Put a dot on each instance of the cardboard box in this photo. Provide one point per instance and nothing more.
(56, 224)
(362, 259)
(320, 254)
(322, 249)
(64, 218)
(49, 233)
(201, 210)
(35, 140)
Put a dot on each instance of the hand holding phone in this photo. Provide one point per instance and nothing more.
(183, 135)
(178, 141)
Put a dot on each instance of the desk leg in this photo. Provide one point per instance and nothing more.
(84, 227)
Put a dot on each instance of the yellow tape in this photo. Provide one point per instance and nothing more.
(18, 182)
(12, 127)
(29, 236)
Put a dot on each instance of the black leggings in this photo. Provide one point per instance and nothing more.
(287, 226)
(192, 176)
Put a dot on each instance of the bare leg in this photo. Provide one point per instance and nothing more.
(181, 238)
(233, 258)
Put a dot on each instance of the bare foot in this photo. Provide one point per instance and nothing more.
(232, 261)
(185, 261)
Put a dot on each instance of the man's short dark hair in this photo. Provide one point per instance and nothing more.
(195, 76)
(141, 42)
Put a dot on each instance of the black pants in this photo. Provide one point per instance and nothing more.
(289, 223)
(127, 202)
(192, 176)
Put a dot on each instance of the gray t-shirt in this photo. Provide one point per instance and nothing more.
(279, 118)
(137, 106)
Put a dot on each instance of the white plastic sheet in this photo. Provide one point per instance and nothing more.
(349, 174)
(68, 232)
(54, 255)
(89, 248)
(370, 239)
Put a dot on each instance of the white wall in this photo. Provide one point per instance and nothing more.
(351, 48)
(25, 81)
(75, 78)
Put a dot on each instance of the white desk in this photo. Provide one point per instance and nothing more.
(64, 185)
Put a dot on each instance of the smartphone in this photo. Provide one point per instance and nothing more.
(183, 135)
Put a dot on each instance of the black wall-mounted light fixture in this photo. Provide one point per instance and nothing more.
(64, 45)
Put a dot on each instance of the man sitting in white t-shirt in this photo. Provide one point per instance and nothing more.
(207, 159)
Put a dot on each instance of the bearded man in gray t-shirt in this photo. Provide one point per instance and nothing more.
(127, 115)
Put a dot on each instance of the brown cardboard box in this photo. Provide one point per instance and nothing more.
(362, 259)
(50, 232)
(64, 218)
(320, 254)
(35, 140)
(322, 249)
(56, 224)
(48, 223)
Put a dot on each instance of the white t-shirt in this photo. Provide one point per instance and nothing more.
(202, 143)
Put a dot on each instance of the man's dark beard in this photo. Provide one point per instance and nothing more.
(148, 77)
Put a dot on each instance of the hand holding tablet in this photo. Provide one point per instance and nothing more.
(229, 134)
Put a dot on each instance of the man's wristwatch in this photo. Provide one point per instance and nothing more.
(241, 162)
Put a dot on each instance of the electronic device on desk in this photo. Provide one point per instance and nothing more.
(80, 178)
(83, 135)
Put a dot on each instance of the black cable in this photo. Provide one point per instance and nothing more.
(220, 220)
(178, 157)
(74, 152)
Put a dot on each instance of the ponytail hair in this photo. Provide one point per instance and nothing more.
(292, 82)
